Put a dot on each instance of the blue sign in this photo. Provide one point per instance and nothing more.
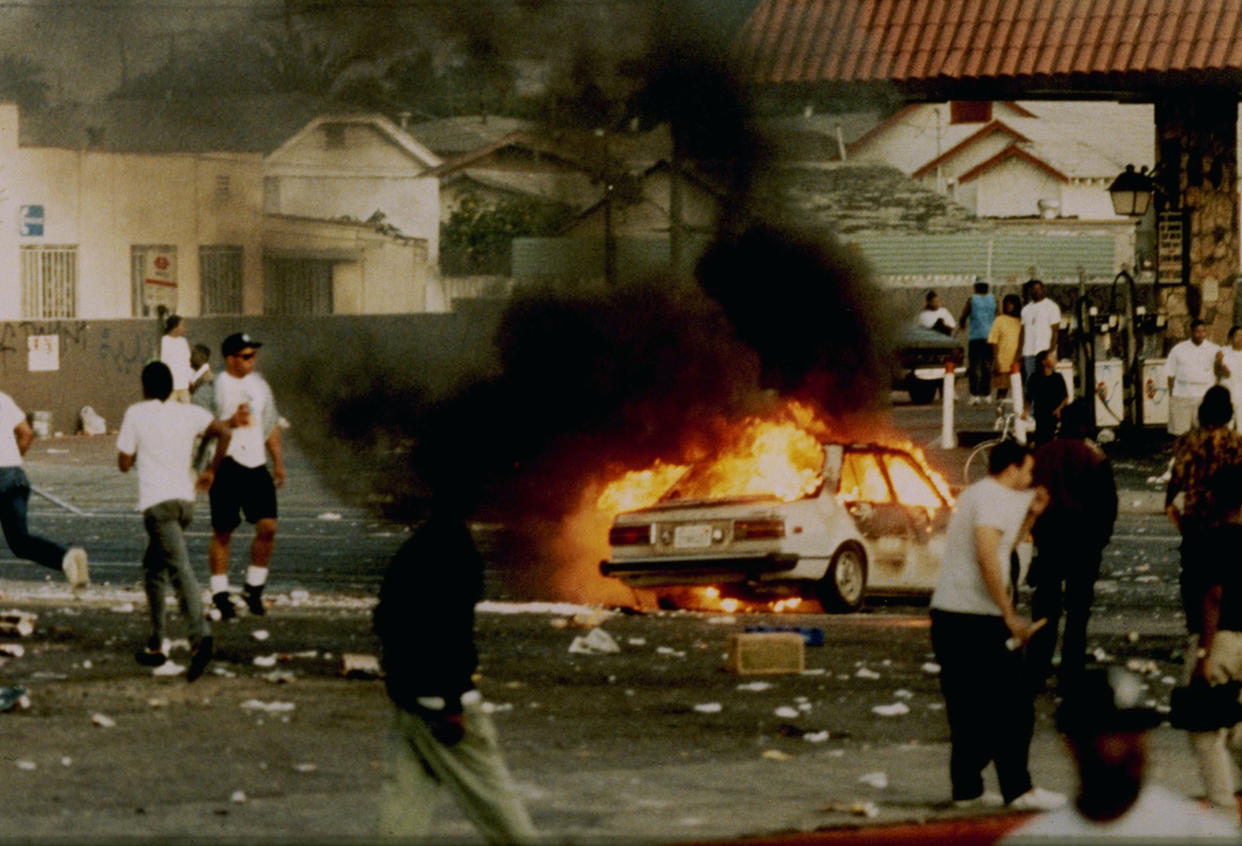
(30, 221)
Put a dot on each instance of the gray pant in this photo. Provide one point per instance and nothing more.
(166, 560)
(473, 771)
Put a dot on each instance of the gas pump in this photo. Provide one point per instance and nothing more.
(1123, 345)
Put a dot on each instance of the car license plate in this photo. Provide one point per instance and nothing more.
(692, 536)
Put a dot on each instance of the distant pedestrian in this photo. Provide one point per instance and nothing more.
(977, 316)
(1046, 396)
(175, 352)
(202, 387)
(1070, 536)
(1004, 339)
(1202, 456)
(1041, 323)
(1191, 368)
(975, 628)
(1229, 372)
(935, 316)
(243, 485)
(442, 736)
(16, 436)
(159, 435)
(1105, 728)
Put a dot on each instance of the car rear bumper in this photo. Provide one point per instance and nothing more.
(655, 572)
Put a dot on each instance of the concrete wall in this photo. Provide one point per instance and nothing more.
(100, 361)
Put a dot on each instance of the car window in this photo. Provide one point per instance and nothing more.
(913, 488)
(862, 480)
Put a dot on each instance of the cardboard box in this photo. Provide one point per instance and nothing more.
(766, 653)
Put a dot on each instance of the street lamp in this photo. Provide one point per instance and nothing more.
(1131, 192)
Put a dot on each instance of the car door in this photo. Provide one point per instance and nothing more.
(865, 491)
(927, 514)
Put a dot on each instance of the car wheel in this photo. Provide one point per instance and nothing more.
(922, 391)
(842, 588)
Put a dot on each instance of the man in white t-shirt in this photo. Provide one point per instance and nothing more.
(1105, 728)
(976, 632)
(175, 352)
(16, 436)
(935, 316)
(1041, 322)
(243, 484)
(159, 436)
(1191, 369)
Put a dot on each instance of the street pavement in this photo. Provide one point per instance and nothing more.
(331, 549)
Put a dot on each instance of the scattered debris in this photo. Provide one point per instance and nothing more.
(329, 515)
(636, 641)
(709, 708)
(280, 676)
(864, 673)
(358, 665)
(260, 634)
(931, 668)
(123, 608)
(305, 767)
(858, 809)
(815, 736)
(168, 668)
(267, 707)
(878, 780)
(755, 686)
(12, 650)
(20, 623)
(668, 650)
(27, 765)
(786, 713)
(594, 642)
(157, 702)
(589, 619)
(103, 720)
(774, 755)
(238, 796)
(265, 660)
(896, 709)
(901, 693)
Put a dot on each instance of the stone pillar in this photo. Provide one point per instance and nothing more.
(1197, 173)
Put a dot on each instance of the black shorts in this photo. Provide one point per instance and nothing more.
(241, 490)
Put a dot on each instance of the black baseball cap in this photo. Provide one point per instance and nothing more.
(237, 342)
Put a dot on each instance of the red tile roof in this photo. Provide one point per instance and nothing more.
(917, 42)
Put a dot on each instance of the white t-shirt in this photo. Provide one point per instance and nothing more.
(1233, 360)
(175, 352)
(1157, 815)
(10, 417)
(161, 437)
(1038, 318)
(1192, 368)
(959, 586)
(927, 318)
(248, 446)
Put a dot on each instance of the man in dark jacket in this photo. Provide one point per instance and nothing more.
(1070, 537)
(441, 734)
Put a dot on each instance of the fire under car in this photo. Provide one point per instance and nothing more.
(872, 525)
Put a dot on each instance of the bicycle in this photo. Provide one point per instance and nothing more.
(1009, 425)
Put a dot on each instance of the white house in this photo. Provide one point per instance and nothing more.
(1044, 159)
(359, 166)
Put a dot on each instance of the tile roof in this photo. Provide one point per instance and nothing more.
(919, 42)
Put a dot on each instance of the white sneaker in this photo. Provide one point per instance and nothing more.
(1038, 799)
(75, 567)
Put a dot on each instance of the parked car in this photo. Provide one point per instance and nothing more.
(919, 361)
(873, 525)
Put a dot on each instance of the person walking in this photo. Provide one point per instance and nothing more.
(16, 436)
(1046, 396)
(243, 484)
(159, 436)
(1004, 339)
(977, 316)
(1191, 502)
(175, 352)
(1105, 727)
(201, 385)
(441, 733)
(1229, 371)
(1041, 323)
(935, 316)
(1070, 536)
(1191, 368)
(976, 629)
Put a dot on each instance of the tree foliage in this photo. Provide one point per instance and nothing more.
(477, 237)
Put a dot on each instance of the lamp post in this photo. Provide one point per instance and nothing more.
(1131, 192)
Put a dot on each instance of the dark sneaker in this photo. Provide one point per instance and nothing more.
(200, 657)
(254, 599)
(154, 654)
(224, 604)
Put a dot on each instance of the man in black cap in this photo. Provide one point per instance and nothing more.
(1105, 729)
(243, 485)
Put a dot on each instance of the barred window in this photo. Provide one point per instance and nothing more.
(297, 286)
(220, 272)
(49, 281)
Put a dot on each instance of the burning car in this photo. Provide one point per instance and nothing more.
(868, 520)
